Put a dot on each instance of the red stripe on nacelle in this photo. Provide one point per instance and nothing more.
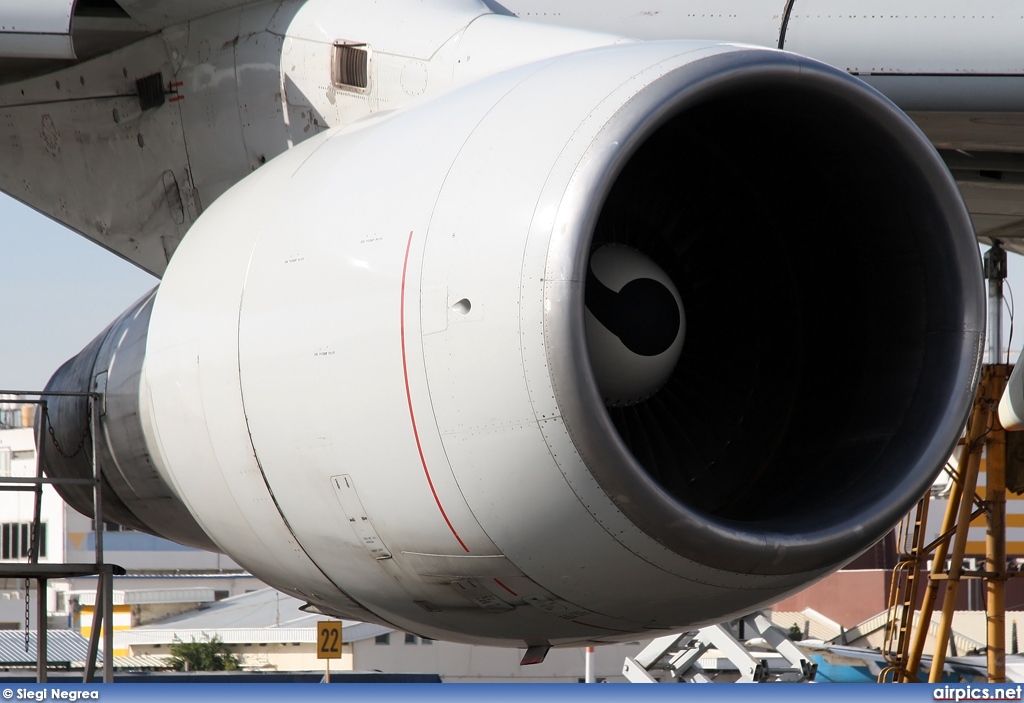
(408, 397)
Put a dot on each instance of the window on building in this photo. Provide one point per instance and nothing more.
(112, 527)
(383, 639)
(410, 639)
(16, 540)
(426, 640)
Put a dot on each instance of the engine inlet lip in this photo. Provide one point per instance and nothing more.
(767, 547)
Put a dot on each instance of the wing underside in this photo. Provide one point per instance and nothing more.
(47, 35)
(76, 126)
(985, 153)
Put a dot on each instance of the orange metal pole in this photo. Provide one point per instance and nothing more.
(995, 536)
(939, 558)
(969, 478)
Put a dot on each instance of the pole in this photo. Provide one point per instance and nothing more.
(38, 506)
(106, 576)
(995, 538)
(995, 483)
(42, 656)
(588, 658)
(975, 428)
(94, 634)
(969, 478)
(97, 496)
(995, 272)
(108, 627)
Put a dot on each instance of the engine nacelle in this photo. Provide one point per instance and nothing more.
(135, 494)
(623, 341)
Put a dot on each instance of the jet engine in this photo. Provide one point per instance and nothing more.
(610, 344)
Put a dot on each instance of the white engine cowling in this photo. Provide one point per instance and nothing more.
(369, 374)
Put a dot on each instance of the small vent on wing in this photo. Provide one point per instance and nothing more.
(351, 69)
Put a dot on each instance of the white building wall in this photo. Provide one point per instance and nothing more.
(18, 507)
(18, 459)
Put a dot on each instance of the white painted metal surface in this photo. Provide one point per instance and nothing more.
(956, 38)
(154, 15)
(37, 30)
(223, 486)
(37, 17)
(917, 53)
(18, 45)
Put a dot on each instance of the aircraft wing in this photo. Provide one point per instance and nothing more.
(47, 35)
(959, 74)
(992, 183)
(154, 15)
(955, 75)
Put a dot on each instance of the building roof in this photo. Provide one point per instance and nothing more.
(62, 647)
(259, 617)
(150, 596)
(813, 624)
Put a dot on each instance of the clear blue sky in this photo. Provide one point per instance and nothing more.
(59, 290)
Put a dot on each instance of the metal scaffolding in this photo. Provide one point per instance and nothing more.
(905, 644)
(42, 573)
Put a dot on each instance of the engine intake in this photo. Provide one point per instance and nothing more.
(832, 297)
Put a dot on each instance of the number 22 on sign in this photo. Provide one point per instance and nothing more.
(328, 643)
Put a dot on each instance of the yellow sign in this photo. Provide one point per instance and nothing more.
(328, 639)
